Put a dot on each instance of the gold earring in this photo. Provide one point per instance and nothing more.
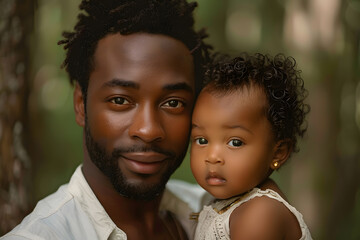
(276, 164)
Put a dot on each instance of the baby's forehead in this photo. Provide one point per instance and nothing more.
(246, 89)
(224, 112)
(252, 98)
(249, 96)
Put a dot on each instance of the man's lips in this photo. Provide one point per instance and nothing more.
(144, 162)
(215, 179)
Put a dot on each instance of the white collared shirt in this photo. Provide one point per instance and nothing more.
(74, 212)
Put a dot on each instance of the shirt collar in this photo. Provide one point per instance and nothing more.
(104, 226)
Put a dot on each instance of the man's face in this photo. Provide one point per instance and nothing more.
(139, 102)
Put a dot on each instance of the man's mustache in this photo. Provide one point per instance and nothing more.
(117, 152)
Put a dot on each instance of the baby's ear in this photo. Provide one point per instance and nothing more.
(79, 106)
(282, 151)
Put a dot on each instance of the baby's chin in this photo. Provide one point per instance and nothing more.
(222, 194)
(218, 194)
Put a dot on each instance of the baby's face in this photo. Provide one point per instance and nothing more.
(232, 144)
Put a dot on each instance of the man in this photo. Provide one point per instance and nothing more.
(136, 66)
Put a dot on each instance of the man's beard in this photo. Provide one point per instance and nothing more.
(108, 165)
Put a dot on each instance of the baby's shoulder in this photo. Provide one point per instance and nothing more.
(261, 217)
(259, 209)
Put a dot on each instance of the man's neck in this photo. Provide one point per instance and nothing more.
(117, 206)
(128, 214)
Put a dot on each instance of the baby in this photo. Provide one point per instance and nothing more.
(245, 125)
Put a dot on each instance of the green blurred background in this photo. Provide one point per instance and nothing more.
(322, 180)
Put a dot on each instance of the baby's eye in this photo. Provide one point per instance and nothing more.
(119, 100)
(236, 143)
(201, 141)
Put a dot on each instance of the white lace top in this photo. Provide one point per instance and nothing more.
(214, 219)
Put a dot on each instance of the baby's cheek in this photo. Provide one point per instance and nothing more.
(196, 167)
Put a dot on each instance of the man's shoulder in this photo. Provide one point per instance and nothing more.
(192, 195)
(58, 216)
(72, 212)
(37, 222)
(183, 199)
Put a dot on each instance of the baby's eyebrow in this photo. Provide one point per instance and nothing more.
(193, 125)
(238, 126)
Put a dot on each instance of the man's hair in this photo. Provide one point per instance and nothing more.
(281, 82)
(173, 18)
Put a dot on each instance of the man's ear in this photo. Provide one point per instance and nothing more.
(79, 106)
(283, 149)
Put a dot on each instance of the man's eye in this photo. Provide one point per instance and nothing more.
(236, 143)
(201, 141)
(119, 100)
(174, 104)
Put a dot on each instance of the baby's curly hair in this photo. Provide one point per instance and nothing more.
(281, 82)
(173, 18)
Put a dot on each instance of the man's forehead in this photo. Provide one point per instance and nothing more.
(140, 56)
(139, 45)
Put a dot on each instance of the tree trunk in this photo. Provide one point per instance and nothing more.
(15, 28)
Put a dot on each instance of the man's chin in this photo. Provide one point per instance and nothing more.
(139, 191)
(139, 187)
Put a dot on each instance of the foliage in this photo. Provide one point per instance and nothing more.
(322, 181)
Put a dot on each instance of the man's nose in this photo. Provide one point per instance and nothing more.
(147, 124)
(214, 155)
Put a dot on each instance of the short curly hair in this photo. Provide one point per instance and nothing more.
(281, 82)
(173, 18)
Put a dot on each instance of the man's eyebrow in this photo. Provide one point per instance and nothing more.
(116, 82)
(178, 86)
